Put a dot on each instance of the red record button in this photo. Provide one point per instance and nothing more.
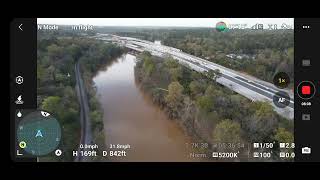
(306, 90)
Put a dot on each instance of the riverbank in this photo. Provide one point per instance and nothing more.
(56, 82)
(90, 69)
(209, 112)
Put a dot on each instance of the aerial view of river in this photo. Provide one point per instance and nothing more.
(131, 118)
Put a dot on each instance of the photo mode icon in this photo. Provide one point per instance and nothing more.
(306, 150)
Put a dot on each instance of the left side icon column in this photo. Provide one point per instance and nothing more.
(23, 76)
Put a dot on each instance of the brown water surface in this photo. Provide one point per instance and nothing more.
(131, 118)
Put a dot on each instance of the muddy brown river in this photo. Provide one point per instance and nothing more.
(131, 118)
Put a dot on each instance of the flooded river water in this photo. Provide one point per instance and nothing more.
(131, 118)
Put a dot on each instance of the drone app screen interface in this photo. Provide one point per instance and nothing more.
(164, 90)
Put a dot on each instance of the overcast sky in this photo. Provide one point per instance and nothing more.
(175, 22)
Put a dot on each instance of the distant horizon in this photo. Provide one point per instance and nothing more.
(162, 27)
(127, 26)
(163, 22)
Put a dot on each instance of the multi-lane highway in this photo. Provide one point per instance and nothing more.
(248, 86)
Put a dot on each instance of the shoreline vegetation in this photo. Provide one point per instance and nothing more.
(56, 85)
(207, 111)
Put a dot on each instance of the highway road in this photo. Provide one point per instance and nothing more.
(251, 85)
(248, 86)
(86, 137)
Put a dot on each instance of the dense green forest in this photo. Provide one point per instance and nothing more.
(57, 54)
(264, 53)
(206, 110)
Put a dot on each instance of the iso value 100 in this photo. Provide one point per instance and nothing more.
(262, 154)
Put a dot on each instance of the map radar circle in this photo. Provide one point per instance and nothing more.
(39, 133)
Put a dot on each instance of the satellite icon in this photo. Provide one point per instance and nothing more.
(45, 114)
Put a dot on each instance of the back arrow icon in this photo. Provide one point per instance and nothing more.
(20, 27)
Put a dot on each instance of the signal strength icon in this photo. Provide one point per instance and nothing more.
(257, 26)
